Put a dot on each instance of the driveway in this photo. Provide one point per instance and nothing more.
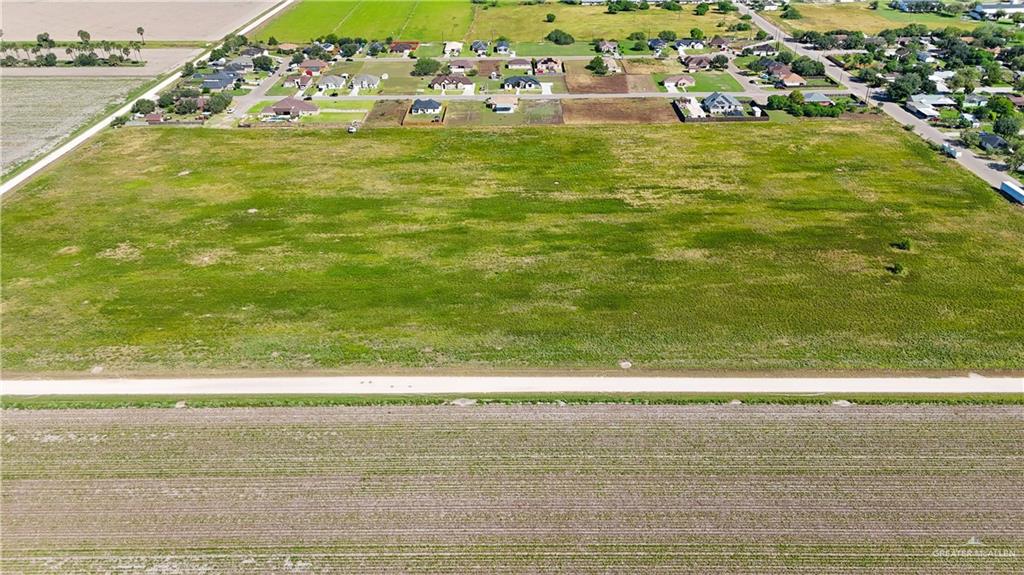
(243, 103)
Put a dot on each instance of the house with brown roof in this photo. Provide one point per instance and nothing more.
(314, 67)
(519, 64)
(299, 80)
(548, 66)
(450, 82)
(403, 48)
(608, 47)
(290, 108)
(792, 80)
(460, 66)
(697, 63)
(719, 43)
(680, 81)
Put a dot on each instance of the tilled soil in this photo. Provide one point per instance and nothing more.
(515, 489)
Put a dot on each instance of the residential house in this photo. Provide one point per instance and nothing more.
(940, 78)
(452, 48)
(520, 83)
(764, 50)
(776, 70)
(300, 80)
(519, 64)
(990, 11)
(502, 47)
(403, 48)
(690, 44)
(450, 82)
(818, 98)
(720, 104)
(925, 105)
(460, 66)
(680, 81)
(975, 100)
(925, 57)
(792, 80)
(331, 82)
(425, 106)
(656, 44)
(548, 66)
(365, 81)
(608, 47)
(153, 118)
(503, 103)
(479, 47)
(291, 108)
(314, 67)
(241, 64)
(719, 43)
(993, 142)
(253, 51)
(219, 81)
(696, 63)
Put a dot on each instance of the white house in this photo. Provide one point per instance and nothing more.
(719, 103)
(452, 48)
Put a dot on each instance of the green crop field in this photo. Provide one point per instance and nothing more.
(583, 489)
(677, 247)
(372, 19)
(859, 16)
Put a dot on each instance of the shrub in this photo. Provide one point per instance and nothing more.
(550, 17)
(560, 37)
(902, 245)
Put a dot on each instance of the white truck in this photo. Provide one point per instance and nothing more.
(1013, 191)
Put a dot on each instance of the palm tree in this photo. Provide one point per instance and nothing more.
(126, 51)
(70, 52)
(142, 33)
(84, 36)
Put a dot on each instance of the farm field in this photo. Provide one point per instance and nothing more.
(674, 247)
(37, 113)
(511, 489)
(109, 20)
(419, 20)
(526, 23)
(859, 16)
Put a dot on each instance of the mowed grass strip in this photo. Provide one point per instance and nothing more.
(675, 247)
(515, 489)
(372, 19)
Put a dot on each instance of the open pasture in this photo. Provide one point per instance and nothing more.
(421, 20)
(859, 16)
(619, 111)
(675, 247)
(608, 489)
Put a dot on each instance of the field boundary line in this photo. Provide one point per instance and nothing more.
(408, 19)
(347, 16)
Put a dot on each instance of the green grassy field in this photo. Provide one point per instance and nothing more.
(372, 19)
(674, 247)
(859, 16)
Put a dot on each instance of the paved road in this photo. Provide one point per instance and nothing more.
(242, 104)
(537, 96)
(61, 151)
(486, 384)
(991, 172)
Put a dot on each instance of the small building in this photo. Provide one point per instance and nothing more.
(764, 50)
(520, 83)
(450, 82)
(502, 47)
(403, 48)
(253, 51)
(299, 80)
(219, 81)
(689, 106)
(365, 81)
(993, 142)
(291, 108)
(681, 81)
(991, 11)
(975, 100)
(425, 106)
(314, 67)
(479, 47)
(153, 118)
(690, 44)
(548, 66)
(452, 48)
(696, 63)
(792, 80)
(656, 44)
(818, 98)
(719, 43)
(330, 82)
(722, 104)
(460, 66)
(925, 57)
(608, 47)
(519, 64)
(776, 70)
(241, 64)
(503, 103)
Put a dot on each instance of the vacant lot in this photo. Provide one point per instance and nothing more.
(388, 113)
(515, 489)
(162, 20)
(526, 23)
(421, 20)
(579, 80)
(529, 112)
(36, 113)
(619, 111)
(676, 247)
(859, 16)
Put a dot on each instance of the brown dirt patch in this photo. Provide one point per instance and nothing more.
(616, 111)
(637, 84)
(651, 66)
(387, 114)
(579, 80)
(124, 252)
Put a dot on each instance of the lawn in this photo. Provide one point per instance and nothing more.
(714, 82)
(574, 489)
(859, 16)
(526, 23)
(419, 20)
(676, 247)
(529, 112)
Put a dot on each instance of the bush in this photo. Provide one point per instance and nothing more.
(143, 106)
(560, 37)
(550, 17)
(902, 245)
(598, 66)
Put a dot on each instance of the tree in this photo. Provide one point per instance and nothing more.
(265, 63)
(993, 73)
(272, 41)
(84, 36)
(550, 17)
(1007, 126)
(143, 106)
(297, 58)
(1000, 106)
(702, 9)
(217, 103)
(725, 6)
(560, 37)
(50, 60)
(598, 66)
(965, 79)
(873, 5)
(1015, 159)
(720, 62)
(672, 6)
(791, 13)
(696, 33)
(970, 138)
(667, 35)
(905, 86)
(142, 33)
(637, 37)
(426, 67)
(186, 106)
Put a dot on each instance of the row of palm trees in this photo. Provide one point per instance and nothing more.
(84, 46)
